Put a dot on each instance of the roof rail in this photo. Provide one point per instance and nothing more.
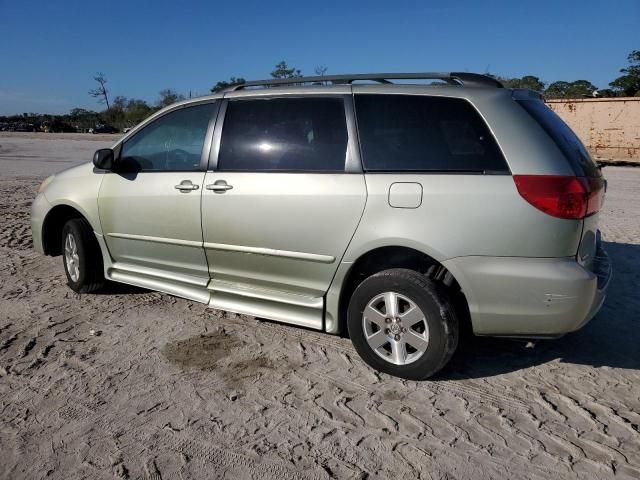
(453, 78)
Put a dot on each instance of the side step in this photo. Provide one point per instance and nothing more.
(184, 286)
(271, 304)
(275, 305)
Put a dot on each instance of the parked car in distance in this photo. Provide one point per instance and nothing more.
(18, 127)
(127, 129)
(102, 128)
(395, 214)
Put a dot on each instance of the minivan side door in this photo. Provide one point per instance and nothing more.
(282, 199)
(150, 205)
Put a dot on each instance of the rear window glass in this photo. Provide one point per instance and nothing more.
(284, 134)
(567, 141)
(420, 133)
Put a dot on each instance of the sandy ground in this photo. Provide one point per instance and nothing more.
(42, 154)
(134, 384)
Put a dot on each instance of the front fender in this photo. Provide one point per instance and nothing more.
(78, 188)
(39, 210)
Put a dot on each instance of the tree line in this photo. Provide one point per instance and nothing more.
(121, 112)
(626, 85)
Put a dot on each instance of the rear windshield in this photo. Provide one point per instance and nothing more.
(567, 141)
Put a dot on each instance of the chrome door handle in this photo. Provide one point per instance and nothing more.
(186, 186)
(219, 186)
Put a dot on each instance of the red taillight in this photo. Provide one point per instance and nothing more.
(561, 196)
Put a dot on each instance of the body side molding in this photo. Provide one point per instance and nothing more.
(310, 257)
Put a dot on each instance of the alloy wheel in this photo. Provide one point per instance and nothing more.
(71, 257)
(395, 328)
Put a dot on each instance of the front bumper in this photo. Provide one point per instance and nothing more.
(531, 297)
(39, 209)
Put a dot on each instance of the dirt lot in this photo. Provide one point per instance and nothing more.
(135, 384)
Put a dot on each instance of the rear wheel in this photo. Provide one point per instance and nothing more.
(403, 324)
(81, 257)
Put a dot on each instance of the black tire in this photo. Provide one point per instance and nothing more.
(439, 313)
(90, 267)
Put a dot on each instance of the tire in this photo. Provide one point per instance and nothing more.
(84, 268)
(429, 333)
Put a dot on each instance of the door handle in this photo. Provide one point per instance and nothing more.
(219, 186)
(186, 186)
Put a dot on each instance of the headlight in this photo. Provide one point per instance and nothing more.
(43, 186)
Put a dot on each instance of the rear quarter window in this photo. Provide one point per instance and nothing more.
(568, 142)
(425, 134)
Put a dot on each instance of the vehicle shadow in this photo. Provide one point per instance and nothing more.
(115, 288)
(611, 339)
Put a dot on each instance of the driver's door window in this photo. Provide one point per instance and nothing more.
(171, 143)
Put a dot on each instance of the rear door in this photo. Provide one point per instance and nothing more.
(582, 165)
(284, 195)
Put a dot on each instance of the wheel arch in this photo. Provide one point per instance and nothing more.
(397, 256)
(52, 227)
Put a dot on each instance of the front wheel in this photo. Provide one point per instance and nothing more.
(403, 324)
(81, 257)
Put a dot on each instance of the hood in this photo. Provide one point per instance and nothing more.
(81, 170)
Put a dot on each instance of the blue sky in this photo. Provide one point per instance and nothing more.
(50, 49)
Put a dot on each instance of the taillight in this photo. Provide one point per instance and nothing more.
(562, 196)
(596, 194)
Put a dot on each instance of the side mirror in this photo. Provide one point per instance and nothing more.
(103, 159)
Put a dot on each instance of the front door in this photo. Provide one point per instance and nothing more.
(280, 209)
(150, 208)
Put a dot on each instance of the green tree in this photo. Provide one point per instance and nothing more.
(606, 93)
(120, 103)
(169, 96)
(83, 119)
(115, 115)
(628, 85)
(528, 81)
(57, 124)
(282, 70)
(137, 111)
(557, 89)
(576, 89)
(224, 84)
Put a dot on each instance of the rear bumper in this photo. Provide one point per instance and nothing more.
(531, 297)
(603, 270)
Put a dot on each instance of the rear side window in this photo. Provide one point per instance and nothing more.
(422, 134)
(284, 134)
(567, 141)
(173, 142)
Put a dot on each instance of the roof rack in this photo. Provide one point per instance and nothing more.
(453, 78)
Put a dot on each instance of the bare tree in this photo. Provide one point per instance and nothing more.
(101, 92)
(321, 70)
